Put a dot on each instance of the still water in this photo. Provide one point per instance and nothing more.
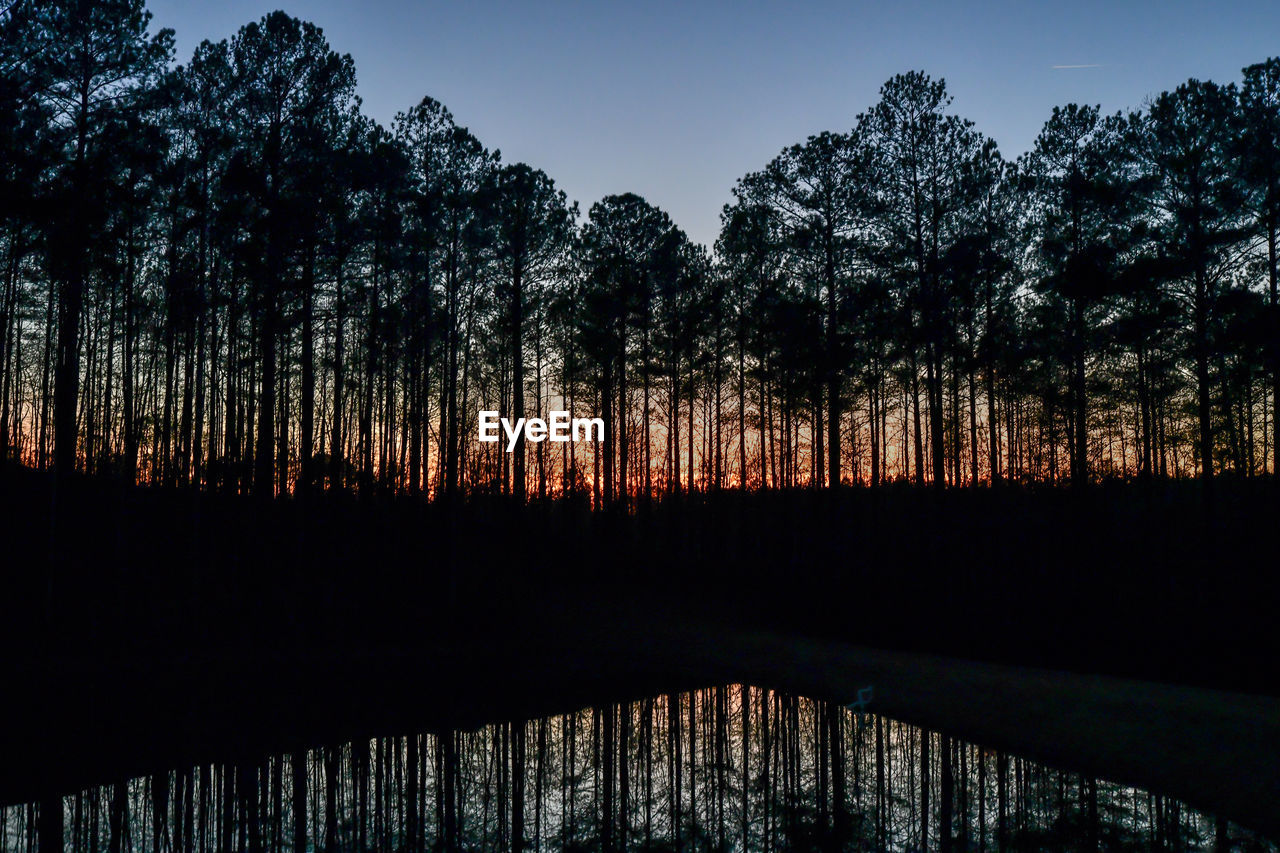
(725, 768)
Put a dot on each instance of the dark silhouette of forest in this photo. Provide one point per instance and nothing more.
(222, 274)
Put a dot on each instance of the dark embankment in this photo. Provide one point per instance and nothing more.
(134, 616)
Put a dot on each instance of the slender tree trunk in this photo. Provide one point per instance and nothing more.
(1079, 459)
(1273, 276)
(306, 438)
(924, 787)
(517, 375)
(298, 805)
(51, 825)
(947, 784)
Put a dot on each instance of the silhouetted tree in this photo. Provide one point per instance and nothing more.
(1260, 114)
(922, 156)
(1083, 214)
(534, 223)
(96, 64)
(1198, 206)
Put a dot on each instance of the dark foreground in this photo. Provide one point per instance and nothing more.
(147, 630)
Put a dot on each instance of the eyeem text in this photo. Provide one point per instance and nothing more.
(558, 427)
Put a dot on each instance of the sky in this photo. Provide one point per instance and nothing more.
(677, 100)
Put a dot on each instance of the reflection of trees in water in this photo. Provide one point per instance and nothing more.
(662, 773)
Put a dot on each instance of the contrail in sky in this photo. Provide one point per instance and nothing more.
(1067, 67)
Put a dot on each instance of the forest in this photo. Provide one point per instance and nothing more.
(246, 332)
(222, 274)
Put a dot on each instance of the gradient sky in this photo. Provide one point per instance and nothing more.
(677, 100)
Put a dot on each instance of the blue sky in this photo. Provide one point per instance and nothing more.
(676, 100)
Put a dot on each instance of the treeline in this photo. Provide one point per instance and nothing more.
(724, 768)
(222, 274)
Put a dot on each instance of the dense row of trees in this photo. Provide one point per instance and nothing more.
(725, 768)
(223, 274)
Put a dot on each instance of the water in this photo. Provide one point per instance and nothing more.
(724, 768)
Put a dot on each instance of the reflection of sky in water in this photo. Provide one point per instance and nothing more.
(672, 771)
